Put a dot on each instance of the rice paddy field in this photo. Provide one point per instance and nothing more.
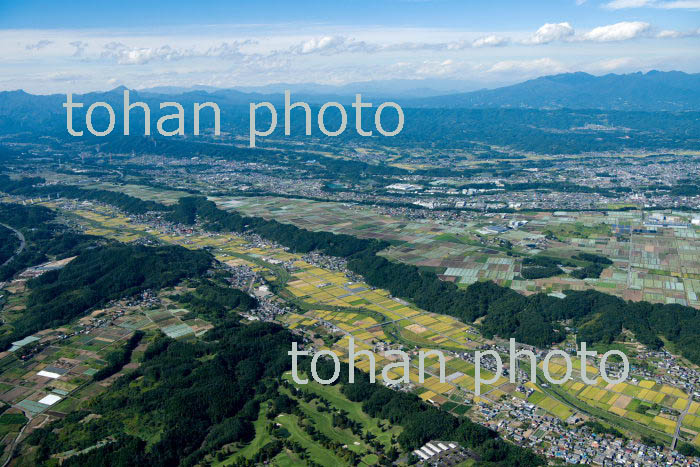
(646, 403)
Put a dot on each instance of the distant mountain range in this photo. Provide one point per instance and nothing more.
(393, 88)
(652, 91)
(655, 90)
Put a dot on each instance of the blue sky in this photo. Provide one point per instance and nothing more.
(50, 46)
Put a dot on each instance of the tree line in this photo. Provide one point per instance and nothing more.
(34, 186)
(8, 244)
(120, 357)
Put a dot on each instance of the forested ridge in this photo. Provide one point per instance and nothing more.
(598, 317)
(44, 238)
(120, 357)
(98, 275)
(213, 302)
(34, 187)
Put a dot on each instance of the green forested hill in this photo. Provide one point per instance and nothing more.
(101, 274)
(190, 398)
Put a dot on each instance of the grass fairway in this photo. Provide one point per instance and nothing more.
(317, 453)
(354, 409)
(291, 423)
(262, 437)
(322, 421)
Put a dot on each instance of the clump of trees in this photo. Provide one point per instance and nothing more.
(118, 358)
(599, 428)
(214, 301)
(594, 267)
(593, 258)
(688, 449)
(590, 270)
(540, 272)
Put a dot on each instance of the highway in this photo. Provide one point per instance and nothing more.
(23, 243)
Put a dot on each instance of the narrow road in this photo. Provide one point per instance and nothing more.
(680, 421)
(12, 446)
(23, 243)
(629, 259)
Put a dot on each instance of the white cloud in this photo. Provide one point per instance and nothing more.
(333, 45)
(229, 50)
(612, 64)
(457, 45)
(618, 32)
(622, 31)
(551, 32)
(329, 45)
(427, 68)
(39, 45)
(323, 44)
(444, 68)
(125, 55)
(664, 5)
(671, 34)
(541, 66)
(62, 76)
(680, 5)
(80, 47)
(407, 46)
(490, 41)
(621, 4)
